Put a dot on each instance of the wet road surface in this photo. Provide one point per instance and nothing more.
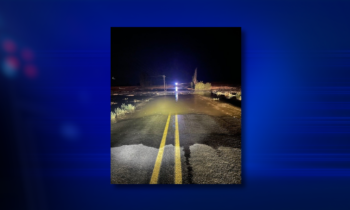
(183, 139)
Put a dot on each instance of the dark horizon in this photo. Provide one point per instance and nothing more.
(175, 53)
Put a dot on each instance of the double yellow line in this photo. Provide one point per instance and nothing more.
(178, 175)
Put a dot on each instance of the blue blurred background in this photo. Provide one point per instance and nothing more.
(55, 104)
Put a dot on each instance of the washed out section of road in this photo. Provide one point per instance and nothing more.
(132, 164)
(134, 148)
(210, 166)
(210, 142)
(211, 149)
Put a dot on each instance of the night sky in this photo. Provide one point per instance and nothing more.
(175, 52)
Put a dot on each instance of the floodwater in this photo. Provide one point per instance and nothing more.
(120, 99)
(208, 133)
(187, 104)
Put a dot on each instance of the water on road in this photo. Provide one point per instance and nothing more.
(178, 139)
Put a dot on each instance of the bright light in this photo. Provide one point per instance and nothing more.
(175, 83)
(175, 88)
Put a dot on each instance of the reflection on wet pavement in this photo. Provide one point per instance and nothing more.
(186, 104)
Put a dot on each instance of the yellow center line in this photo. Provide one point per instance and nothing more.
(178, 175)
(155, 174)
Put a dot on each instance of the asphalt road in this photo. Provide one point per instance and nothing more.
(188, 139)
